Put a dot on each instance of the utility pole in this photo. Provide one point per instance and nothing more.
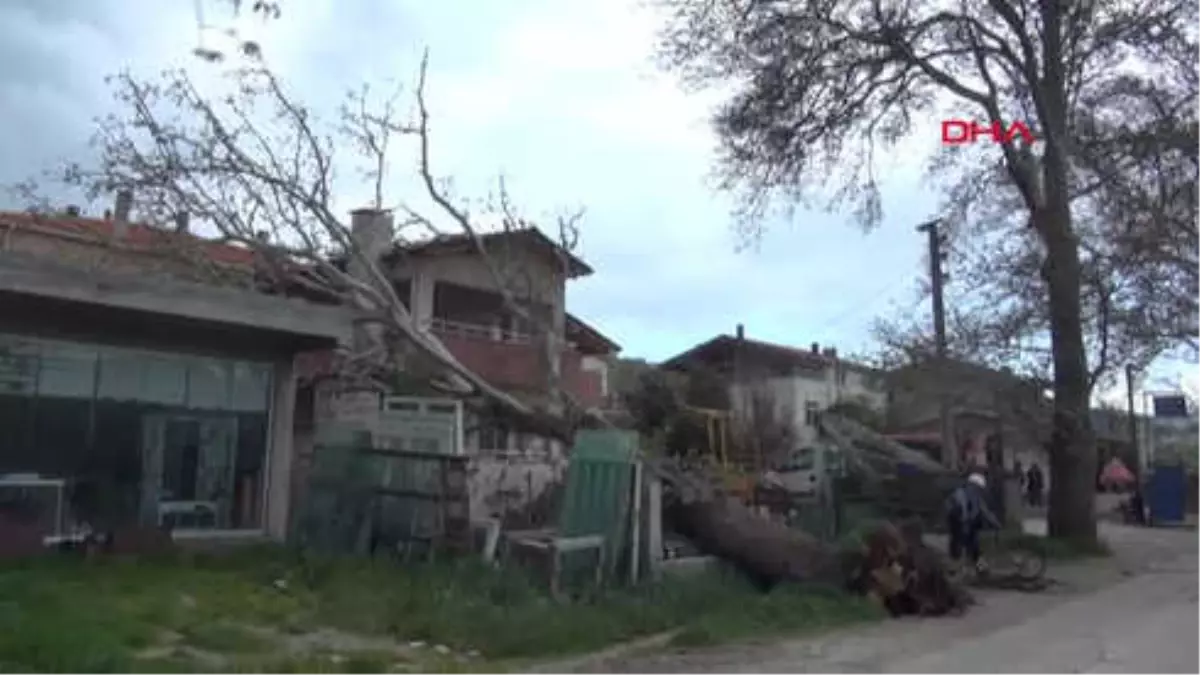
(937, 279)
(1133, 431)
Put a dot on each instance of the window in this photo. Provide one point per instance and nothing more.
(114, 424)
(250, 387)
(208, 385)
(120, 376)
(493, 436)
(18, 366)
(163, 380)
(811, 413)
(67, 371)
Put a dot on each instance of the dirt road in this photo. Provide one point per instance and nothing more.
(1135, 612)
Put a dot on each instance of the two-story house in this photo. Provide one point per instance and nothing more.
(799, 383)
(136, 390)
(456, 287)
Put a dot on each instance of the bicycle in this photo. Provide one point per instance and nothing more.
(1012, 562)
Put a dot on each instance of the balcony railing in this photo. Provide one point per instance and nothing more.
(478, 332)
(514, 359)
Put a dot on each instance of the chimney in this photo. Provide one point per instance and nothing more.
(741, 332)
(181, 221)
(371, 231)
(123, 206)
(833, 353)
(121, 213)
(73, 211)
(816, 348)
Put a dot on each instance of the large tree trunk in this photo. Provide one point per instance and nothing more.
(1072, 451)
(767, 551)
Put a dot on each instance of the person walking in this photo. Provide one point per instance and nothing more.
(1035, 484)
(967, 513)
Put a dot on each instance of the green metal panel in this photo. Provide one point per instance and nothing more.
(597, 495)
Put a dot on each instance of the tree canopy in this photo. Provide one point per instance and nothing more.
(821, 87)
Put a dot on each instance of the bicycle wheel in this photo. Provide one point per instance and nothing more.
(1027, 564)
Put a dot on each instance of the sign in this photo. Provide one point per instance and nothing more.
(1170, 406)
(965, 132)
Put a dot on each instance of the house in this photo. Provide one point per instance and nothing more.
(456, 292)
(129, 351)
(984, 406)
(799, 383)
(134, 390)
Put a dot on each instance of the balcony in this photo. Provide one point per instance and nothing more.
(512, 360)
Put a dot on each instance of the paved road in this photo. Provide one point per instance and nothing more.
(1135, 612)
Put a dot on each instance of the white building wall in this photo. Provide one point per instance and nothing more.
(795, 395)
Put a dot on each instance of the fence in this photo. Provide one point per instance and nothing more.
(363, 499)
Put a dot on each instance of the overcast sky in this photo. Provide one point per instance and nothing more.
(558, 95)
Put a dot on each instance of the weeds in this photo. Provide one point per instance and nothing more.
(182, 613)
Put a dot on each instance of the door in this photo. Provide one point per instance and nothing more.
(188, 470)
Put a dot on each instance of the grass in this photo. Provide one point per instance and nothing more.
(248, 610)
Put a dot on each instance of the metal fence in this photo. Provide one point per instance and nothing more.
(365, 499)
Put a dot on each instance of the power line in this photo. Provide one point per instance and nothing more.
(858, 309)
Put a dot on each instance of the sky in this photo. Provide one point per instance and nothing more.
(563, 100)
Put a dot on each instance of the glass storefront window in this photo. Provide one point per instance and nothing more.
(160, 439)
(120, 375)
(67, 370)
(208, 384)
(162, 380)
(251, 385)
(18, 366)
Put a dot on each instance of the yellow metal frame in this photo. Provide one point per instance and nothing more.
(716, 424)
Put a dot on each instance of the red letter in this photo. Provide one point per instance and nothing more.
(1019, 128)
(964, 132)
(992, 130)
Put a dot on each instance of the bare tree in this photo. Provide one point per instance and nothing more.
(821, 84)
(248, 161)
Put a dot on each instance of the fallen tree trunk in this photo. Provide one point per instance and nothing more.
(767, 551)
(890, 564)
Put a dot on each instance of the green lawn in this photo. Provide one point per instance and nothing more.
(268, 610)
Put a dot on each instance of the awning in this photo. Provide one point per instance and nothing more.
(1115, 472)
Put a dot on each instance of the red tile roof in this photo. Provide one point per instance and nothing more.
(721, 348)
(532, 237)
(588, 338)
(136, 235)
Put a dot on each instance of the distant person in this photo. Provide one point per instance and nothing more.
(967, 513)
(1035, 483)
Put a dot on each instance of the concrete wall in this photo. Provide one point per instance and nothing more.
(504, 484)
(282, 452)
(55, 280)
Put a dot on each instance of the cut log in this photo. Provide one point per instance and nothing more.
(890, 563)
(767, 551)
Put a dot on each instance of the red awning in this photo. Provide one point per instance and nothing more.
(1115, 472)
